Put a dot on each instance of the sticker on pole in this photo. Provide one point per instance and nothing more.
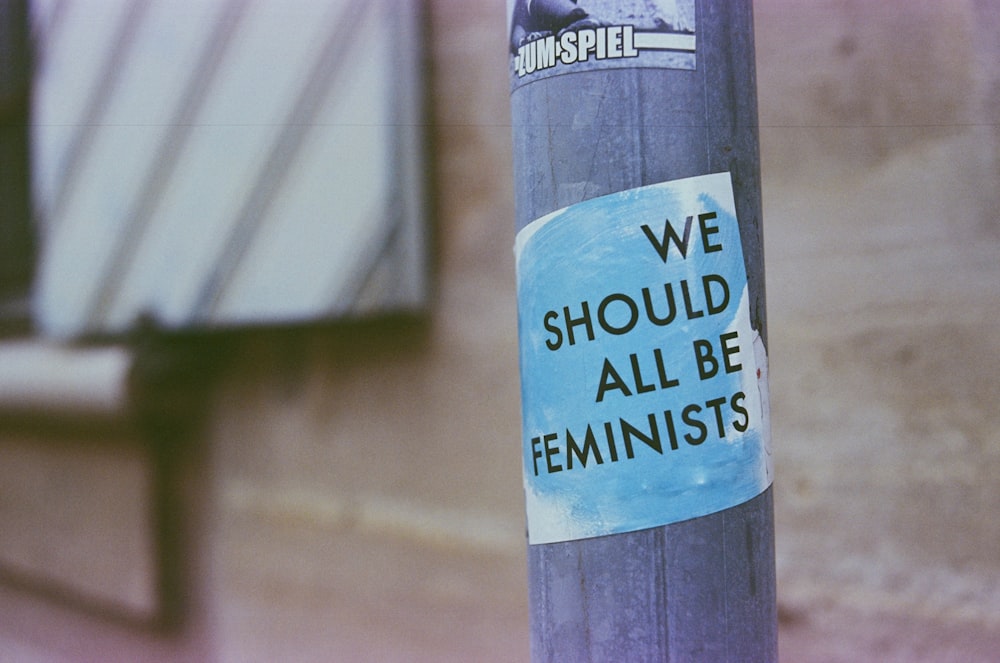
(643, 382)
(549, 37)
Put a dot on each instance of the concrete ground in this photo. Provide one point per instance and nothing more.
(322, 535)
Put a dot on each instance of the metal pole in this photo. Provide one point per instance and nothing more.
(693, 589)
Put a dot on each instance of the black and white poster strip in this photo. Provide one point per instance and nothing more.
(561, 36)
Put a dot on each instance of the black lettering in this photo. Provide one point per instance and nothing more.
(637, 376)
(536, 453)
(668, 417)
(587, 451)
(550, 452)
(584, 320)
(736, 402)
(662, 246)
(688, 416)
(688, 307)
(609, 433)
(652, 440)
(556, 343)
(661, 369)
(728, 350)
(610, 379)
(668, 290)
(633, 314)
(707, 230)
(708, 365)
(589, 446)
(716, 404)
(714, 307)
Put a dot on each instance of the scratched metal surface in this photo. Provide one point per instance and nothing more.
(704, 589)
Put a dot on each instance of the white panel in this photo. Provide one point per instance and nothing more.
(68, 69)
(239, 163)
(338, 195)
(252, 96)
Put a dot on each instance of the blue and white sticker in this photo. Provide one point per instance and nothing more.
(644, 385)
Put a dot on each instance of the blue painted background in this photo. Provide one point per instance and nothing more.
(583, 253)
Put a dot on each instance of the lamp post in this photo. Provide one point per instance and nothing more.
(629, 118)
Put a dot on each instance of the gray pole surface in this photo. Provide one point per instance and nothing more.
(701, 589)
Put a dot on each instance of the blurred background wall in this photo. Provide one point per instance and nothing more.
(358, 492)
